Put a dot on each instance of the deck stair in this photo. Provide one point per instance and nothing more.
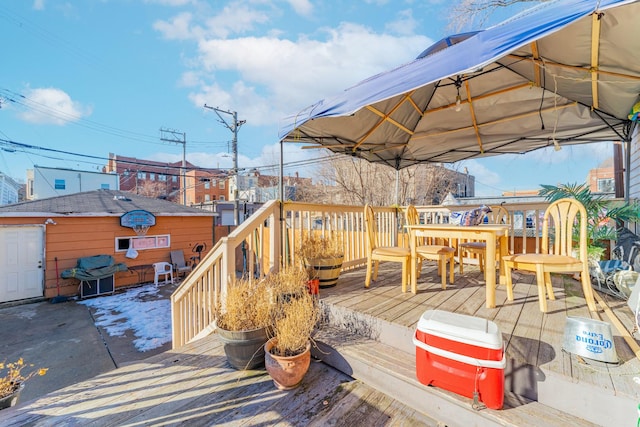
(382, 355)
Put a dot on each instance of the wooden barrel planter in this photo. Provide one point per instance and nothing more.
(326, 269)
(244, 349)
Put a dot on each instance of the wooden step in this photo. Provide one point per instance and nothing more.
(367, 356)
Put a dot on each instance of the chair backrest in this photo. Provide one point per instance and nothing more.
(370, 227)
(162, 267)
(411, 215)
(563, 222)
(177, 258)
(498, 215)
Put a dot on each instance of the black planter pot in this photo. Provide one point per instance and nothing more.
(244, 349)
(12, 399)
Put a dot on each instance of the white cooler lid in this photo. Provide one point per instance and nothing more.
(461, 328)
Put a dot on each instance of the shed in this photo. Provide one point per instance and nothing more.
(41, 238)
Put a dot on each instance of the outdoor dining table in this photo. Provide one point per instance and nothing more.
(489, 233)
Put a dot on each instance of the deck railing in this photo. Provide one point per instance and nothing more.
(193, 303)
(263, 243)
(257, 247)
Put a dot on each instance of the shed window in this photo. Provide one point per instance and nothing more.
(60, 184)
(141, 243)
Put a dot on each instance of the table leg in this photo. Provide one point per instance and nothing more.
(490, 270)
(413, 264)
(504, 251)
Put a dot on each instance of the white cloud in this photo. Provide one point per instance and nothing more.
(404, 24)
(173, 3)
(285, 75)
(178, 28)
(52, 106)
(233, 19)
(38, 4)
(302, 7)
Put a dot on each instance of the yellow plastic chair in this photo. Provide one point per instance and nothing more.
(376, 253)
(440, 253)
(498, 215)
(557, 252)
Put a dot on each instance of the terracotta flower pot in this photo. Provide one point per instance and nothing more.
(286, 372)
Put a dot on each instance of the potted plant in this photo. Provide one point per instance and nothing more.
(322, 256)
(295, 315)
(242, 321)
(602, 214)
(13, 380)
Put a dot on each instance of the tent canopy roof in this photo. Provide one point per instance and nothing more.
(564, 72)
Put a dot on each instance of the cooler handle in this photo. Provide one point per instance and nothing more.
(494, 364)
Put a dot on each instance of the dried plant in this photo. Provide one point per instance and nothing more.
(295, 312)
(11, 380)
(289, 280)
(246, 306)
(320, 246)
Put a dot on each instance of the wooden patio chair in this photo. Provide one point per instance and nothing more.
(376, 253)
(498, 215)
(557, 251)
(434, 252)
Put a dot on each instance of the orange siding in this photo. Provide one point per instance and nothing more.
(75, 237)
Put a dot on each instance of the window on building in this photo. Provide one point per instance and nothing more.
(142, 175)
(60, 184)
(207, 198)
(104, 186)
(606, 185)
(126, 172)
(142, 242)
(162, 178)
(152, 176)
(207, 185)
(221, 184)
(221, 198)
(174, 178)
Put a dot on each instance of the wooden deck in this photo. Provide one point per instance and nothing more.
(538, 369)
(194, 385)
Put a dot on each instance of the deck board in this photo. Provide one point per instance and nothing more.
(195, 386)
(533, 339)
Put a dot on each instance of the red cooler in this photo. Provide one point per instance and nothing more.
(463, 354)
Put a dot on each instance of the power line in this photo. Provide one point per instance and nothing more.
(19, 99)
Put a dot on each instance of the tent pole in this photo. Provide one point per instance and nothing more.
(281, 222)
(397, 187)
(627, 165)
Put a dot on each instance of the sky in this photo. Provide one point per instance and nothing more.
(80, 79)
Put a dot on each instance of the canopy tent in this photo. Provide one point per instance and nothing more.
(565, 72)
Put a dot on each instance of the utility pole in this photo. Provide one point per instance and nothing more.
(170, 135)
(233, 126)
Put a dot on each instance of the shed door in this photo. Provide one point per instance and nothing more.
(21, 262)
